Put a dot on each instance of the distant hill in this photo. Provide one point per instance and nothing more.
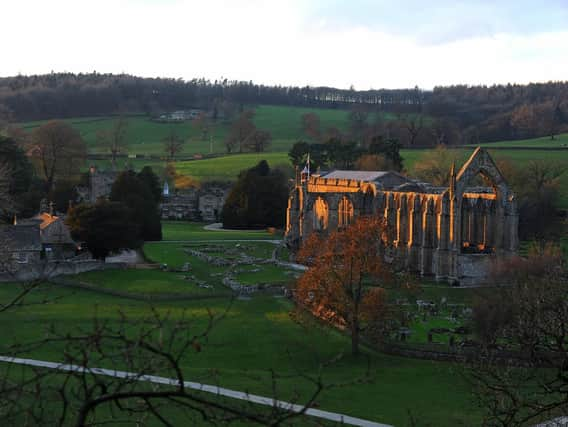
(478, 113)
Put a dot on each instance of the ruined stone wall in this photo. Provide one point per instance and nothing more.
(46, 270)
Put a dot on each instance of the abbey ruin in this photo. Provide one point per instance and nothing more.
(449, 233)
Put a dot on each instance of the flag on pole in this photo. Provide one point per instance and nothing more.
(306, 170)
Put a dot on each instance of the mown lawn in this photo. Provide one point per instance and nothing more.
(258, 335)
(193, 231)
(148, 282)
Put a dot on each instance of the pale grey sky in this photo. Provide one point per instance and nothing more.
(365, 43)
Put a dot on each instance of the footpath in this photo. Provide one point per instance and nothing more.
(251, 398)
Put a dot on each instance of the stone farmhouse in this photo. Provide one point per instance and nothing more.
(194, 204)
(41, 247)
(448, 233)
(100, 184)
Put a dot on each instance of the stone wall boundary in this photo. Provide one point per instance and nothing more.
(129, 295)
(445, 353)
(46, 270)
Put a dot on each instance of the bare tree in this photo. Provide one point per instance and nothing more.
(445, 131)
(241, 130)
(59, 151)
(536, 302)
(358, 122)
(173, 144)
(259, 141)
(114, 139)
(434, 165)
(524, 121)
(201, 124)
(414, 126)
(311, 126)
(19, 135)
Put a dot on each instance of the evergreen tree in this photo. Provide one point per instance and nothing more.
(139, 192)
(257, 200)
(104, 227)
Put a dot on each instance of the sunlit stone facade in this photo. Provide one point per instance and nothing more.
(450, 233)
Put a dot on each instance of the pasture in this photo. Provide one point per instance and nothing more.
(559, 141)
(259, 335)
(144, 137)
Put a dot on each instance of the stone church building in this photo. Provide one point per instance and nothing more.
(448, 233)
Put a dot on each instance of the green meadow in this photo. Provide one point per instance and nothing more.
(256, 336)
(145, 136)
(559, 141)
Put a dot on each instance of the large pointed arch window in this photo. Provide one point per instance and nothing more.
(321, 214)
(345, 212)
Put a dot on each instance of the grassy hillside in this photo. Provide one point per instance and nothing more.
(144, 136)
(544, 142)
(228, 167)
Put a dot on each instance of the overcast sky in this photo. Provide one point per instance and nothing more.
(364, 43)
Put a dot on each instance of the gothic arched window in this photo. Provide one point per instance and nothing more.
(345, 212)
(321, 214)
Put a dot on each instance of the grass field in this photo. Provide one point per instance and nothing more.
(188, 231)
(559, 141)
(144, 136)
(284, 123)
(149, 282)
(259, 335)
(256, 336)
(228, 167)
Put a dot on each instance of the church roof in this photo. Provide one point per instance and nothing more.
(367, 176)
(382, 179)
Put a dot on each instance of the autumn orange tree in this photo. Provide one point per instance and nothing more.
(347, 278)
